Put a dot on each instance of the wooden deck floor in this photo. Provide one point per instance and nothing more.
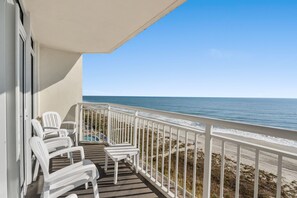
(129, 183)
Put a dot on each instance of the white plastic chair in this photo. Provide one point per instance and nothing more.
(52, 144)
(65, 179)
(44, 133)
(52, 120)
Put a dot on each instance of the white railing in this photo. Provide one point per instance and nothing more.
(190, 156)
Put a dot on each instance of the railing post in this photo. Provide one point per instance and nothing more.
(135, 136)
(81, 122)
(207, 161)
(135, 129)
(108, 124)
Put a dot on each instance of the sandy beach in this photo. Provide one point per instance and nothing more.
(268, 162)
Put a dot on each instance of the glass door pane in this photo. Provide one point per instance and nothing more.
(22, 105)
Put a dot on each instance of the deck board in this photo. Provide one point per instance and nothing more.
(129, 184)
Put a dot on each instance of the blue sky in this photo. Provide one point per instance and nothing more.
(205, 48)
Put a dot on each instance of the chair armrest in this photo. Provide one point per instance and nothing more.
(50, 132)
(55, 143)
(46, 128)
(69, 150)
(61, 132)
(57, 139)
(75, 172)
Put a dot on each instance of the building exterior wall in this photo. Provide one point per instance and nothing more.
(10, 180)
(12, 159)
(60, 81)
(3, 154)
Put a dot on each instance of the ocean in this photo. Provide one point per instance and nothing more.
(280, 113)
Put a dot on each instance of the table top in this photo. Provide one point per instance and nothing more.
(117, 153)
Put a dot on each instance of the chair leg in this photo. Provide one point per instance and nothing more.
(106, 162)
(116, 164)
(76, 139)
(95, 188)
(45, 193)
(69, 154)
(71, 157)
(36, 169)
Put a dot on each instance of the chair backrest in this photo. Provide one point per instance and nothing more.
(37, 128)
(51, 119)
(41, 152)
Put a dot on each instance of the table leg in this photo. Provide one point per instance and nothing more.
(137, 162)
(106, 162)
(133, 161)
(115, 172)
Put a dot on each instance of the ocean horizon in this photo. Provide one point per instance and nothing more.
(274, 112)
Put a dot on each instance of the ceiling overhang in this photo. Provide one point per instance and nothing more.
(93, 26)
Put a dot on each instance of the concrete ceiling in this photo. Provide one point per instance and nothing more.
(93, 26)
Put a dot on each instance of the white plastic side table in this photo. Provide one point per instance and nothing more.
(118, 153)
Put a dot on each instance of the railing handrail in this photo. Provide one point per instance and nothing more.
(252, 128)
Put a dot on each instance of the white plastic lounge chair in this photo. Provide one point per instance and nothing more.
(52, 120)
(52, 144)
(43, 134)
(65, 179)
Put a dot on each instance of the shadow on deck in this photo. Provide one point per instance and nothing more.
(129, 184)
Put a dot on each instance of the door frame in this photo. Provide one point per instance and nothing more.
(30, 86)
(20, 152)
(30, 81)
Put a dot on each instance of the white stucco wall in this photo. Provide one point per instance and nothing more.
(3, 140)
(9, 171)
(60, 81)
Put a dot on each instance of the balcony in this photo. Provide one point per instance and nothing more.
(181, 155)
(129, 184)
